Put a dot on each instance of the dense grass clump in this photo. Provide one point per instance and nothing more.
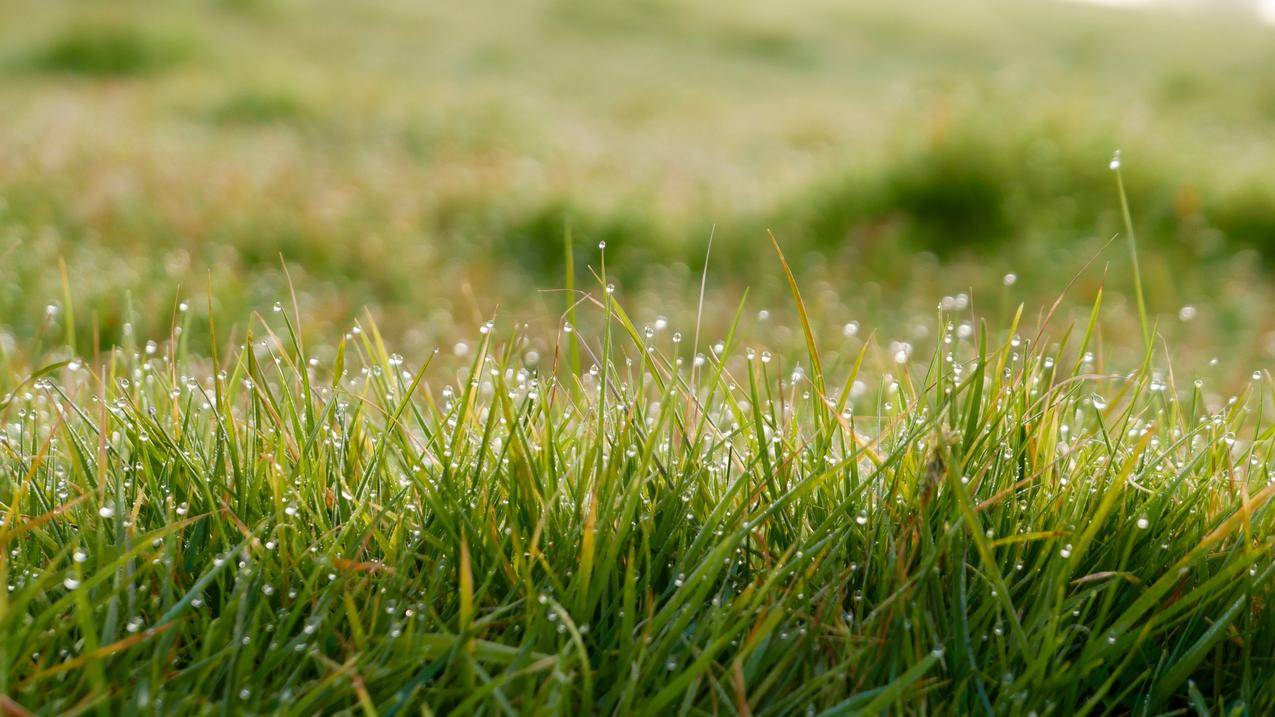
(111, 48)
(261, 106)
(676, 524)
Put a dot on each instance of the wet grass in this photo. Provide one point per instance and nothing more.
(919, 486)
(1004, 521)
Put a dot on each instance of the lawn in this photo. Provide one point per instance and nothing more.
(635, 358)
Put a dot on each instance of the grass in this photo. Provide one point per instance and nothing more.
(111, 49)
(376, 143)
(257, 106)
(1004, 523)
(921, 483)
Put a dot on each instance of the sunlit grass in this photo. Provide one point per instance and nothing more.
(771, 489)
(1000, 522)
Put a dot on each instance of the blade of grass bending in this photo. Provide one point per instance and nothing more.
(1133, 253)
(573, 348)
(699, 309)
(816, 368)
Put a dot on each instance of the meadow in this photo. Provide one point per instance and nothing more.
(635, 358)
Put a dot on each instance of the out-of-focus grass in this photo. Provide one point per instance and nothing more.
(262, 106)
(406, 156)
(110, 49)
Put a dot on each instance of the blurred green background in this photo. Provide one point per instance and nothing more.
(423, 159)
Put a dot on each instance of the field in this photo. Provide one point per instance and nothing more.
(635, 358)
